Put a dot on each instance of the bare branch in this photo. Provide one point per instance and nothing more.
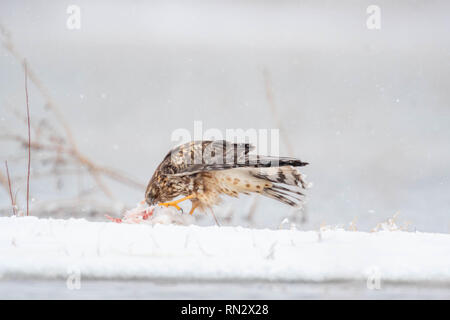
(13, 203)
(29, 138)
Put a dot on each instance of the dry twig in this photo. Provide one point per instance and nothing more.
(13, 202)
(29, 138)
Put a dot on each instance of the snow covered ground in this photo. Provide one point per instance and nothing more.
(56, 249)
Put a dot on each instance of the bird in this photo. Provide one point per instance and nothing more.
(203, 170)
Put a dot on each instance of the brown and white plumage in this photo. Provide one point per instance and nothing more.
(204, 170)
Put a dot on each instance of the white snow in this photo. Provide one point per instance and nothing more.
(50, 248)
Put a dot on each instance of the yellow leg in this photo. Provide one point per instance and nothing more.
(176, 202)
(194, 206)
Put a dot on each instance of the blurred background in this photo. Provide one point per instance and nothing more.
(367, 108)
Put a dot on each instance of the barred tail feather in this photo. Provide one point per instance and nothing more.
(283, 184)
(282, 197)
(280, 178)
(284, 175)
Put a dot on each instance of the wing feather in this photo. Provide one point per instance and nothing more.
(203, 156)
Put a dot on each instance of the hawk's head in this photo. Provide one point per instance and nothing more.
(152, 194)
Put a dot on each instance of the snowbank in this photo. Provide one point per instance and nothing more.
(48, 248)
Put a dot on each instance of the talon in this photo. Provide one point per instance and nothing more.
(172, 204)
(176, 202)
(194, 206)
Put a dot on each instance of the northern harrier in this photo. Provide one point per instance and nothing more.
(204, 170)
